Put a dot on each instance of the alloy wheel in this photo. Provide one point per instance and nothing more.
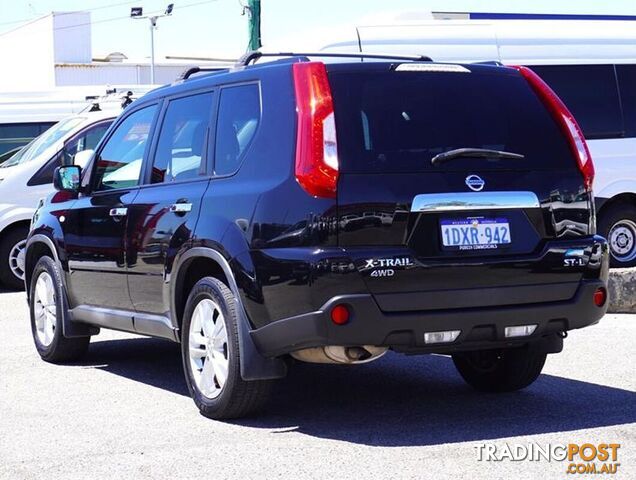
(208, 348)
(16, 259)
(45, 309)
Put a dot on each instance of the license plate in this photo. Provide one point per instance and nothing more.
(475, 233)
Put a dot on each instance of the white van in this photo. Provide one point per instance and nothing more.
(590, 64)
(27, 177)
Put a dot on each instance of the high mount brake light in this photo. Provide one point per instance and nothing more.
(566, 122)
(316, 145)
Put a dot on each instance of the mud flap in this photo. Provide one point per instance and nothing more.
(255, 366)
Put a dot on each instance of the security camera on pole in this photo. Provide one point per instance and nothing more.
(137, 13)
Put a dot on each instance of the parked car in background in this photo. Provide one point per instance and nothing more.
(7, 155)
(26, 115)
(27, 177)
(590, 64)
(222, 213)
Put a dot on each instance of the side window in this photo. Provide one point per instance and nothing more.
(627, 84)
(119, 162)
(590, 93)
(87, 140)
(237, 121)
(182, 139)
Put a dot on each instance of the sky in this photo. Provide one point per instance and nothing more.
(216, 28)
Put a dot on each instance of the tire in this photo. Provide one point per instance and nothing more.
(12, 263)
(210, 302)
(47, 332)
(618, 224)
(500, 370)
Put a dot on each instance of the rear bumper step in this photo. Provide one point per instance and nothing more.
(480, 328)
(476, 297)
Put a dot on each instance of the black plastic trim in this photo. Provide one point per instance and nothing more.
(370, 326)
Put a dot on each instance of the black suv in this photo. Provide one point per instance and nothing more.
(327, 212)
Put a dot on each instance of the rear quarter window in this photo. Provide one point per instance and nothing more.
(237, 121)
(392, 121)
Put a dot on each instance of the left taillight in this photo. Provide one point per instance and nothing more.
(566, 121)
(316, 143)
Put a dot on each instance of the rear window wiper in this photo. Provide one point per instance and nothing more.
(474, 152)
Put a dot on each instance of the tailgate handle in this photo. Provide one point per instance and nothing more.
(461, 201)
(181, 207)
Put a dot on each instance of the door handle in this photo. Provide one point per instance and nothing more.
(181, 207)
(118, 212)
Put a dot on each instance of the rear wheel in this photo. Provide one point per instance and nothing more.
(212, 357)
(47, 305)
(12, 250)
(500, 370)
(618, 224)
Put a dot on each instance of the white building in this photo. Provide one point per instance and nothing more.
(55, 50)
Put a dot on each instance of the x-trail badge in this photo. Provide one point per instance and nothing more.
(475, 183)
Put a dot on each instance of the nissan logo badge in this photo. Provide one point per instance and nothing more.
(475, 183)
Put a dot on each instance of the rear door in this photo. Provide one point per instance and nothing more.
(474, 213)
(163, 216)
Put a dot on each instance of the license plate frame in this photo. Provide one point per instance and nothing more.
(459, 233)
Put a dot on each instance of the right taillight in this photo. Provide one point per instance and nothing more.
(566, 121)
(316, 145)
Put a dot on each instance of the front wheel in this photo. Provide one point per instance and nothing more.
(212, 357)
(12, 251)
(47, 305)
(504, 370)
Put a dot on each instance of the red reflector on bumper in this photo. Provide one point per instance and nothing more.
(340, 315)
(600, 297)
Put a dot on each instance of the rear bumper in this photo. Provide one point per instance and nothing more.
(404, 331)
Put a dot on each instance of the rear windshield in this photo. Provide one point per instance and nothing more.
(397, 121)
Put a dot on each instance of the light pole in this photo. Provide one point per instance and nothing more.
(137, 13)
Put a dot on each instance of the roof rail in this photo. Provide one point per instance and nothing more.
(255, 55)
(188, 72)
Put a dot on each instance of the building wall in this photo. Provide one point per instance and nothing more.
(114, 74)
(27, 56)
(72, 37)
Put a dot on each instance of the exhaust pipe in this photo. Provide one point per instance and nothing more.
(340, 355)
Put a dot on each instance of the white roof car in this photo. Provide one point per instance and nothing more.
(27, 177)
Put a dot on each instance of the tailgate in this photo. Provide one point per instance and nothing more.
(473, 231)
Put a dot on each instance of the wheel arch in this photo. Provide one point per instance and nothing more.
(198, 262)
(38, 246)
(625, 197)
(17, 224)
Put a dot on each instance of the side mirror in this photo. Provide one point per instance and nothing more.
(67, 178)
(82, 158)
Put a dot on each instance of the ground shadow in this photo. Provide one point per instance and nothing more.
(396, 401)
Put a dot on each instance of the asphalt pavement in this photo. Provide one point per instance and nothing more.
(124, 412)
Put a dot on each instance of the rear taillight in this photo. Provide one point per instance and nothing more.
(566, 121)
(316, 145)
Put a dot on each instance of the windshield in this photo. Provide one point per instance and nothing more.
(44, 141)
